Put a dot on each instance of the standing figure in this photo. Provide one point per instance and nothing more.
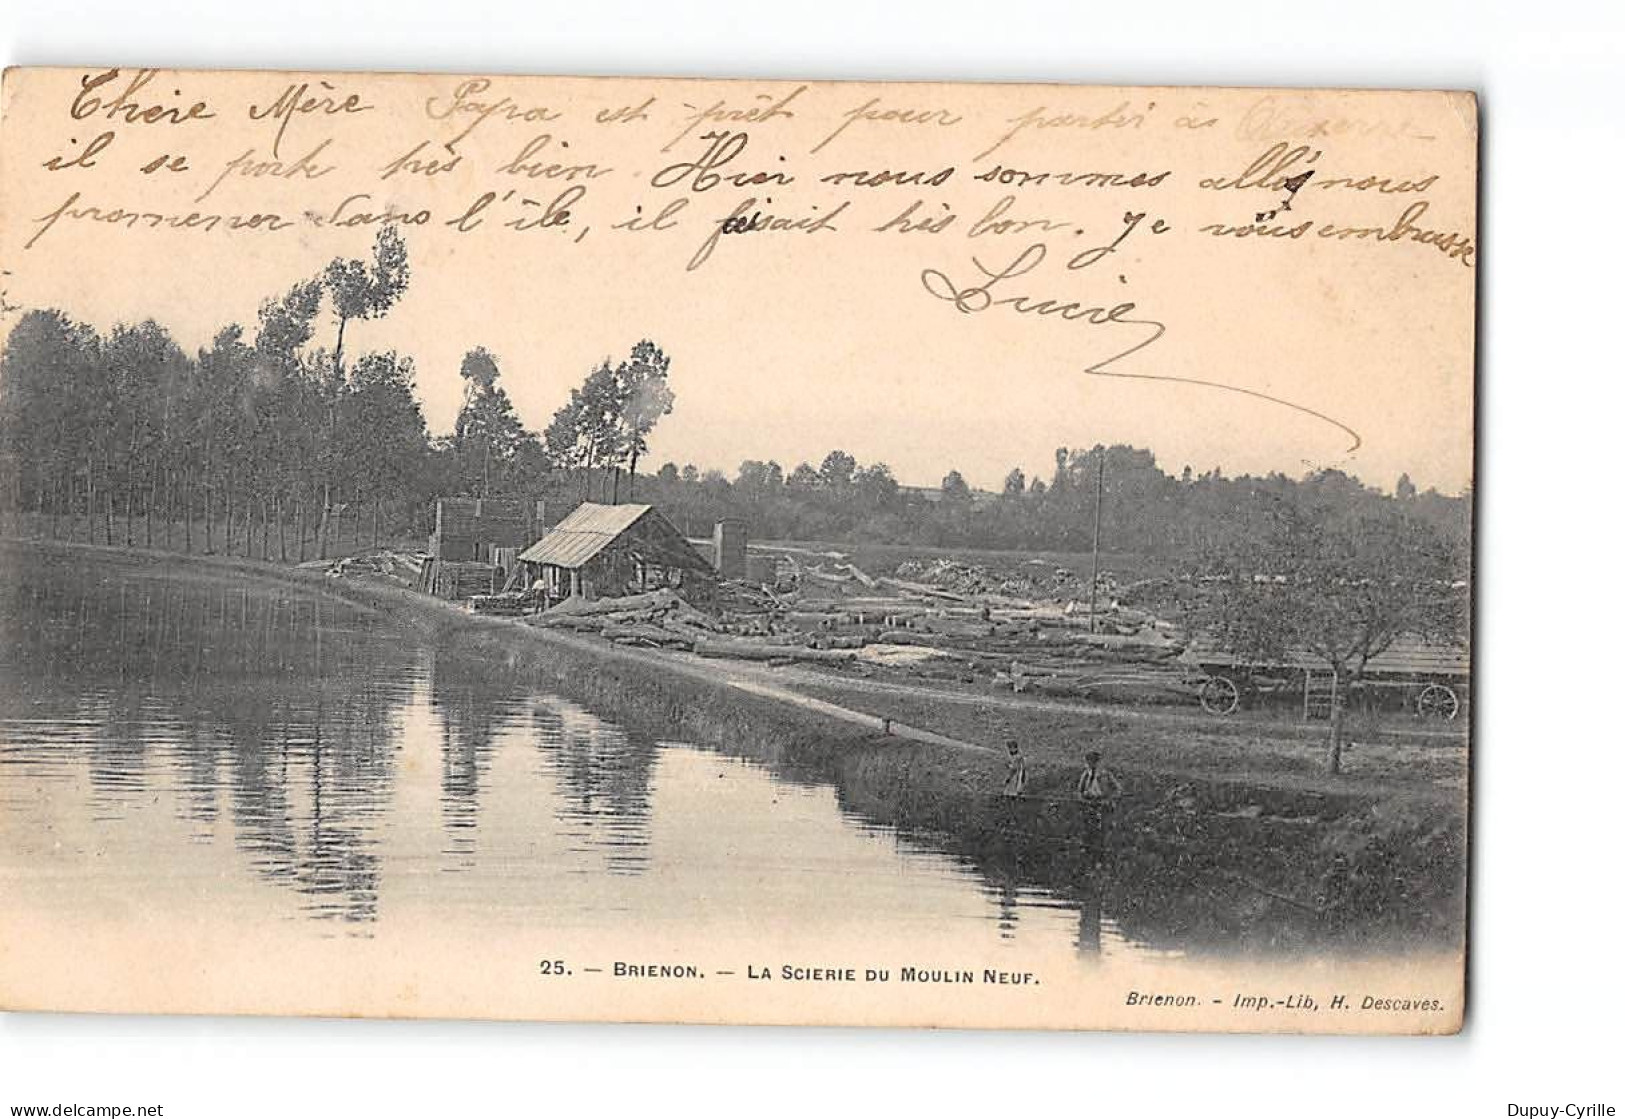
(1098, 789)
(1096, 783)
(1015, 773)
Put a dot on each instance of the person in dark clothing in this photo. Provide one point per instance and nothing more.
(1015, 773)
(1098, 789)
(1097, 783)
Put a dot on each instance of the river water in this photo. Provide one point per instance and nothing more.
(181, 741)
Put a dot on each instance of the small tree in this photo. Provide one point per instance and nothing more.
(1337, 586)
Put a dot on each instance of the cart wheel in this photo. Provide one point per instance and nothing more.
(1436, 701)
(1219, 695)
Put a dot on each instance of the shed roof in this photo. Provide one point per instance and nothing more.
(590, 528)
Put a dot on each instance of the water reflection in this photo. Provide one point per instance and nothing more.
(297, 758)
(603, 780)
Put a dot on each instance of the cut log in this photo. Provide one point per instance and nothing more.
(689, 633)
(760, 651)
(641, 634)
(575, 622)
(661, 600)
(953, 627)
(857, 573)
(837, 641)
(922, 589)
(687, 615)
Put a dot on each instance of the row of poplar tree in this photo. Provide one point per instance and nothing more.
(283, 444)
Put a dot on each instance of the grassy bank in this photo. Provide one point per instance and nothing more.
(1182, 744)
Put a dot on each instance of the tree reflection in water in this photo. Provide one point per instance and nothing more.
(341, 757)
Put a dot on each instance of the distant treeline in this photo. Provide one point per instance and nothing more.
(284, 432)
(1143, 509)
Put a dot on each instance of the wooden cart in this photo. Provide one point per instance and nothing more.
(1430, 679)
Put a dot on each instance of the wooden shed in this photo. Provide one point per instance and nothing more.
(605, 551)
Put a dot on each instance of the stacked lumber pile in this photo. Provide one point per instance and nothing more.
(774, 652)
(1034, 580)
(661, 619)
(402, 567)
(947, 620)
(744, 598)
(455, 580)
(503, 603)
(407, 566)
(656, 618)
(953, 620)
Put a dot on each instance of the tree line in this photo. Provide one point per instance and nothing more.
(272, 443)
(274, 439)
(1143, 509)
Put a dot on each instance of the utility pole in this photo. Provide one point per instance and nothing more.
(1094, 567)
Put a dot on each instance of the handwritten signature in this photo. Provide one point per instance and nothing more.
(979, 296)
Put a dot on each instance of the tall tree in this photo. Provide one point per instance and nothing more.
(489, 438)
(51, 402)
(146, 374)
(383, 428)
(1339, 586)
(365, 290)
(224, 416)
(586, 433)
(606, 423)
(358, 290)
(648, 396)
(295, 395)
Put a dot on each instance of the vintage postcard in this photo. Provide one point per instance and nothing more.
(735, 551)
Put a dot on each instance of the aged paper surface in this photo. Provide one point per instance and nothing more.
(673, 550)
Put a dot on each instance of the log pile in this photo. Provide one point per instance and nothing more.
(402, 567)
(750, 649)
(503, 603)
(660, 619)
(979, 628)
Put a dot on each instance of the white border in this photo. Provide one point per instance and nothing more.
(1542, 1021)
